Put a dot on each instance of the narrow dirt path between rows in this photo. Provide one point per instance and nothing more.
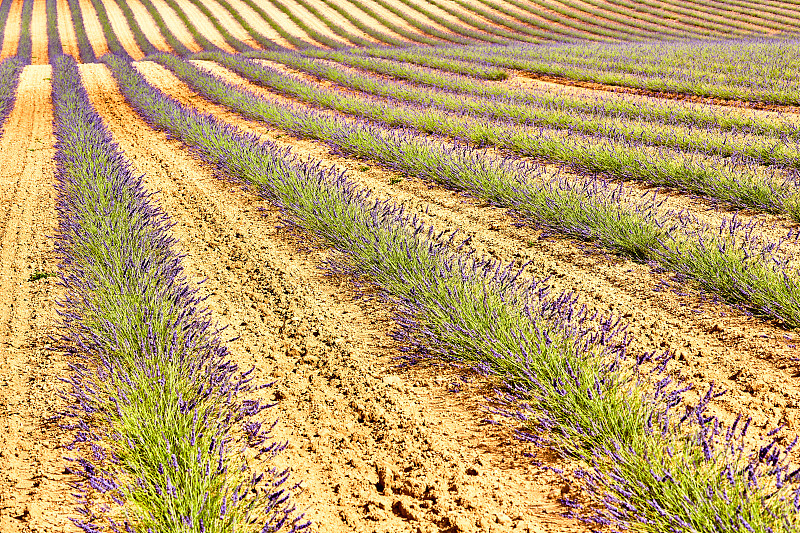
(377, 451)
(39, 35)
(754, 360)
(230, 23)
(34, 495)
(93, 28)
(66, 31)
(204, 26)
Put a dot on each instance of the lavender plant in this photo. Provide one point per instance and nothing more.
(662, 111)
(413, 21)
(411, 36)
(574, 208)
(565, 370)
(155, 405)
(768, 150)
(84, 46)
(10, 69)
(357, 40)
(25, 44)
(196, 34)
(737, 185)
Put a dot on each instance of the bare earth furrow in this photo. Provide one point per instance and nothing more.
(34, 495)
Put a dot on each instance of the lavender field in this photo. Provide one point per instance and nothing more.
(399, 266)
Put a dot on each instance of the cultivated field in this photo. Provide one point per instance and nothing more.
(399, 266)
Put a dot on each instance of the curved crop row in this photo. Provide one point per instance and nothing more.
(294, 41)
(198, 36)
(566, 371)
(141, 39)
(426, 29)
(486, 29)
(114, 46)
(317, 36)
(737, 268)
(767, 150)
(742, 184)
(357, 40)
(465, 29)
(663, 111)
(692, 82)
(412, 36)
(155, 402)
(267, 44)
(232, 41)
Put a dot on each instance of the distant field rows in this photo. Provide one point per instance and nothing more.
(242, 25)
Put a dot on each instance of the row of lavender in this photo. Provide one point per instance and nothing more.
(159, 413)
(761, 69)
(596, 140)
(651, 460)
(734, 262)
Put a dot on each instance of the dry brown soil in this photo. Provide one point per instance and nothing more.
(34, 495)
(93, 28)
(66, 31)
(11, 35)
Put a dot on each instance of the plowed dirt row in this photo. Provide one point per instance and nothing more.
(225, 18)
(753, 360)
(66, 31)
(39, 34)
(376, 450)
(348, 26)
(93, 28)
(34, 495)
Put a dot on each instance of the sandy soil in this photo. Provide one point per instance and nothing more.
(715, 343)
(440, 13)
(39, 35)
(148, 26)
(348, 26)
(122, 30)
(93, 28)
(176, 26)
(66, 31)
(34, 495)
(413, 14)
(261, 26)
(11, 35)
(376, 450)
(230, 23)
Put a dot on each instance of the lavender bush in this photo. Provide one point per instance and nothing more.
(588, 209)
(565, 371)
(155, 405)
